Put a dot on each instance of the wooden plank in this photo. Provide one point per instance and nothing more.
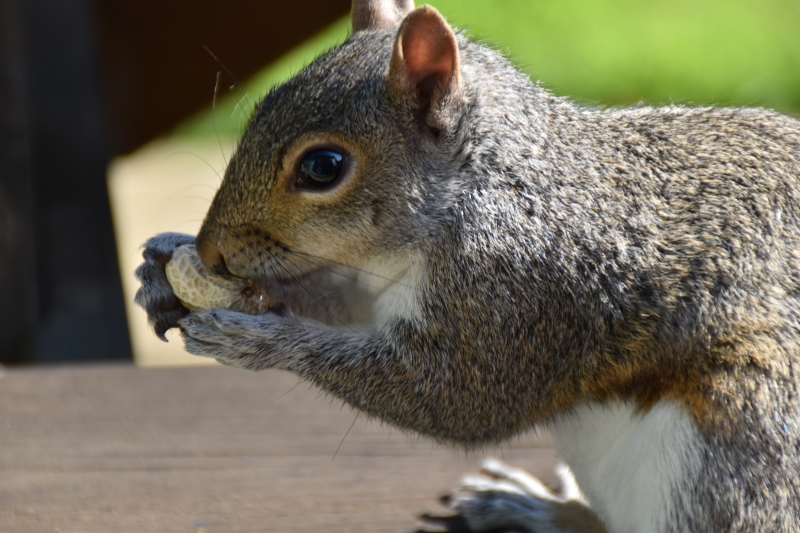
(211, 449)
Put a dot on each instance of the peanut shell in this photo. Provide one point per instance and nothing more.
(199, 287)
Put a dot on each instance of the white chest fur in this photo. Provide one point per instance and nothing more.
(394, 284)
(633, 468)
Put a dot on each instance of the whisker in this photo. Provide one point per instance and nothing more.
(183, 152)
(214, 117)
(275, 275)
(310, 293)
(238, 103)
(324, 262)
(278, 262)
(285, 393)
(179, 196)
(345, 436)
(222, 65)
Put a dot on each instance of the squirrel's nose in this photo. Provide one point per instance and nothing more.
(210, 252)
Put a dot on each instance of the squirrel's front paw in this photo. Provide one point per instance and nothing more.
(232, 338)
(156, 295)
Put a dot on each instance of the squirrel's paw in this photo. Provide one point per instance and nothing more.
(232, 338)
(156, 295)
(503, 498)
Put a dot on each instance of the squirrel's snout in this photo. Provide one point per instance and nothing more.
(211, 254)
(244, 251)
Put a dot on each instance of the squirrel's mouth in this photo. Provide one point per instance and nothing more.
(317, 292)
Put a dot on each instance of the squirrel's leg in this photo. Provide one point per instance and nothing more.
(391, 372)
(286, 341)
(506, 498)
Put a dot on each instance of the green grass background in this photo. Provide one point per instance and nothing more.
(604, 52)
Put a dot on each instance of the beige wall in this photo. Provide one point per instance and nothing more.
(165, 186)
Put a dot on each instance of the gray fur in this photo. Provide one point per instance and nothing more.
(574, 254)
(155, 295)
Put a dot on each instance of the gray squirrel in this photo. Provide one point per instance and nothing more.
(459, 253)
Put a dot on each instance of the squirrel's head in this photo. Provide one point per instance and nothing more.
(349, 160)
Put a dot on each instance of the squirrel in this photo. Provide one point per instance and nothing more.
(459, 253)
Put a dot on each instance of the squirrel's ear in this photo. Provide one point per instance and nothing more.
(378, 14)
(425, 62)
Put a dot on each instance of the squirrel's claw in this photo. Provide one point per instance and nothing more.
(165, 319)
(160, 332)
(502, 497)
(447, 524)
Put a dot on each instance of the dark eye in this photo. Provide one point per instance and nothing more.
(320, 169)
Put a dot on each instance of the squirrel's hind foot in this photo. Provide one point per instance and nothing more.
(503, 498)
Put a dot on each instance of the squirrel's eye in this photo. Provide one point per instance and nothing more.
(320, 169)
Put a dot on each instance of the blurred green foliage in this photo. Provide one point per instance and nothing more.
(605, 52)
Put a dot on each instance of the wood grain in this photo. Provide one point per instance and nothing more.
(210, 449)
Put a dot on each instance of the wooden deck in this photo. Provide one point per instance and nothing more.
(116, 449)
